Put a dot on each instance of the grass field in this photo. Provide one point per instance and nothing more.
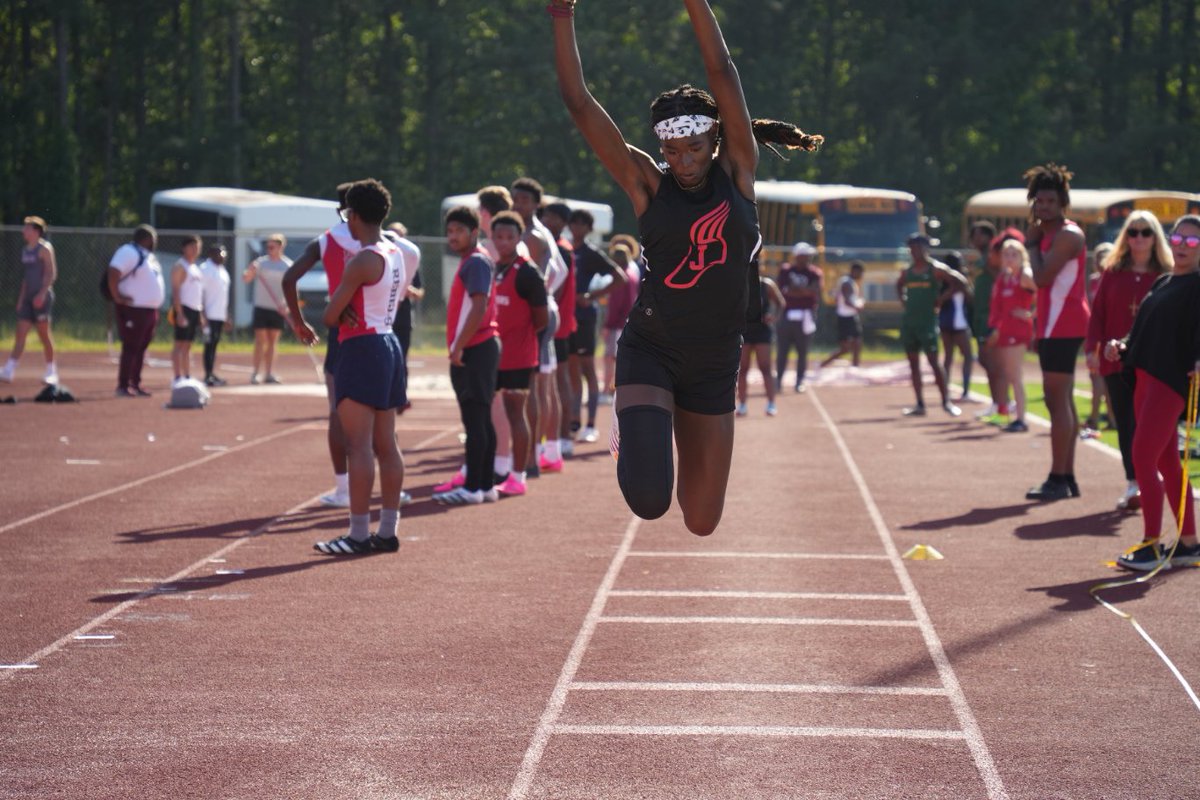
(1036, 405)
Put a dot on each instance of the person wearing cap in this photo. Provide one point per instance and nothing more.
(35, 301)
(921, 288)
(800, 283)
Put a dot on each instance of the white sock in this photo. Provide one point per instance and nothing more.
(341, 484)
(11, 364)
(360, 527)
(388, 520)
(552, 451)
(502, 464)
(520, 476)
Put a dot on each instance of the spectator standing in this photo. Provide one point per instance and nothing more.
(1139, 256)
(266, 273)
(135, 283)
(625, 251)
(187, 306)
(35, 301)
(981, 236)
(954, 321)
(849, 317)
(403, 324)
(921, 288)
(216, 309)
(1011, 326)
(800, 283)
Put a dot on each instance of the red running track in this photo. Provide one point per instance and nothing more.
(553, 646)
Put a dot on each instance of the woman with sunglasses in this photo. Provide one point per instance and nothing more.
(1138, 257)
(1163, 350)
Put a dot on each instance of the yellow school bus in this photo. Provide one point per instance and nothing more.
(845, 224)
(1100, 212)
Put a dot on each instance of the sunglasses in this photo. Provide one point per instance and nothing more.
(1192, 241)
(1133, 233)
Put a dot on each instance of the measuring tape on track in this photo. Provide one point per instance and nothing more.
(1193, 400)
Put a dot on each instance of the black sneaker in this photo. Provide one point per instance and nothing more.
(1143, 557)
(915, 411)
(1016, 426)
(1186, 555)
(344, 546)
(1072, 487)
(384, 544)
(532, 470)
(1048, 491)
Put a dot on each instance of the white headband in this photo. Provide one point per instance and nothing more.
(682, 127)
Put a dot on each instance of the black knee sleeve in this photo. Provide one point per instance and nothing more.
(645, 467)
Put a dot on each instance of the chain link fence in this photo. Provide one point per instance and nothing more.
(83, 255)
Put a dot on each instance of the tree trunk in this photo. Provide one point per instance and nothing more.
(235, 94)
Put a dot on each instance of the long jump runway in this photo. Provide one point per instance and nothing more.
(168, 631)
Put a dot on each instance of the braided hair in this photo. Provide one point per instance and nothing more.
(688, 100)
(1050, 176)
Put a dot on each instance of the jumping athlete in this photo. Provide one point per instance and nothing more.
(370, 371)
(678, 357)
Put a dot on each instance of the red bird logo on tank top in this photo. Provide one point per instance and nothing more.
(708, 249)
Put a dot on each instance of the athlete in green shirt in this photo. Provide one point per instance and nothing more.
(922, 288)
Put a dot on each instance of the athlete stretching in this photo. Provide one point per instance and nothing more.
(678, 357)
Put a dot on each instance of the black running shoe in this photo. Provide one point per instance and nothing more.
(1016, 426)
(1143, 557)
(384, 544)
(344, 546)
(1048, 491)
(915, 411)
(1072, 487)
(1186, 555)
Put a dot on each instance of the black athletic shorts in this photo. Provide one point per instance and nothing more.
(185, 329)
(1058, 355)
(757, 333)
(562, 349)
(475, 380)
(267, 318)
(849, 328)
(583, 340)
(515, 378)
(702, 375)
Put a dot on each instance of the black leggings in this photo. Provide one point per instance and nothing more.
(1120, 402)
(210, 345)
(481, 444)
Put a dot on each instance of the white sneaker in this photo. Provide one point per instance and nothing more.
(335, 500)
(990, 411)
(51, 376)
(771, 410)
(588, 435)
(491, 495)
(1131, 500)
(405, 498)
(6, 374)
(568, 447)
(741, 410)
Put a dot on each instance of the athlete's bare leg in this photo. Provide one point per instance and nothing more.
(705, 445)
(515, 401)
(358, 421)
(1064, 420)
(391, 462)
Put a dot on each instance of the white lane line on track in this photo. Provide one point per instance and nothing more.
(31, 662)
(768, 688)
(735, 554)
(734, 595)
(141, 481)
(869, 623)
(958, 700)
(755, 730)
(558, 698)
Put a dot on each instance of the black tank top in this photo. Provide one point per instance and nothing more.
(699, 248)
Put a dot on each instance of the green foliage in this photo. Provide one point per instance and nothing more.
(107, 102)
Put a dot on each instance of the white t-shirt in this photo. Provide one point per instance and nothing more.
(410, 253)
(216, 291)
(851, 308)
(191, 291)
(268, 282)
(142, 285)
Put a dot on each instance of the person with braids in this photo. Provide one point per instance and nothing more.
(677, 359)
(1058, 256)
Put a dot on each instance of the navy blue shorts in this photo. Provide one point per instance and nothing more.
(370, 370)
(331, 352)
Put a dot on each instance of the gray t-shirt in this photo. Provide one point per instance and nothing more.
(270, 277)
(35, 271)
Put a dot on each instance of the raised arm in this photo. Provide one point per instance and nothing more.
(633, 170)
(737, 132)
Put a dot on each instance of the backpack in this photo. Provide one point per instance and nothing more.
(189, 393)
(104, 291)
